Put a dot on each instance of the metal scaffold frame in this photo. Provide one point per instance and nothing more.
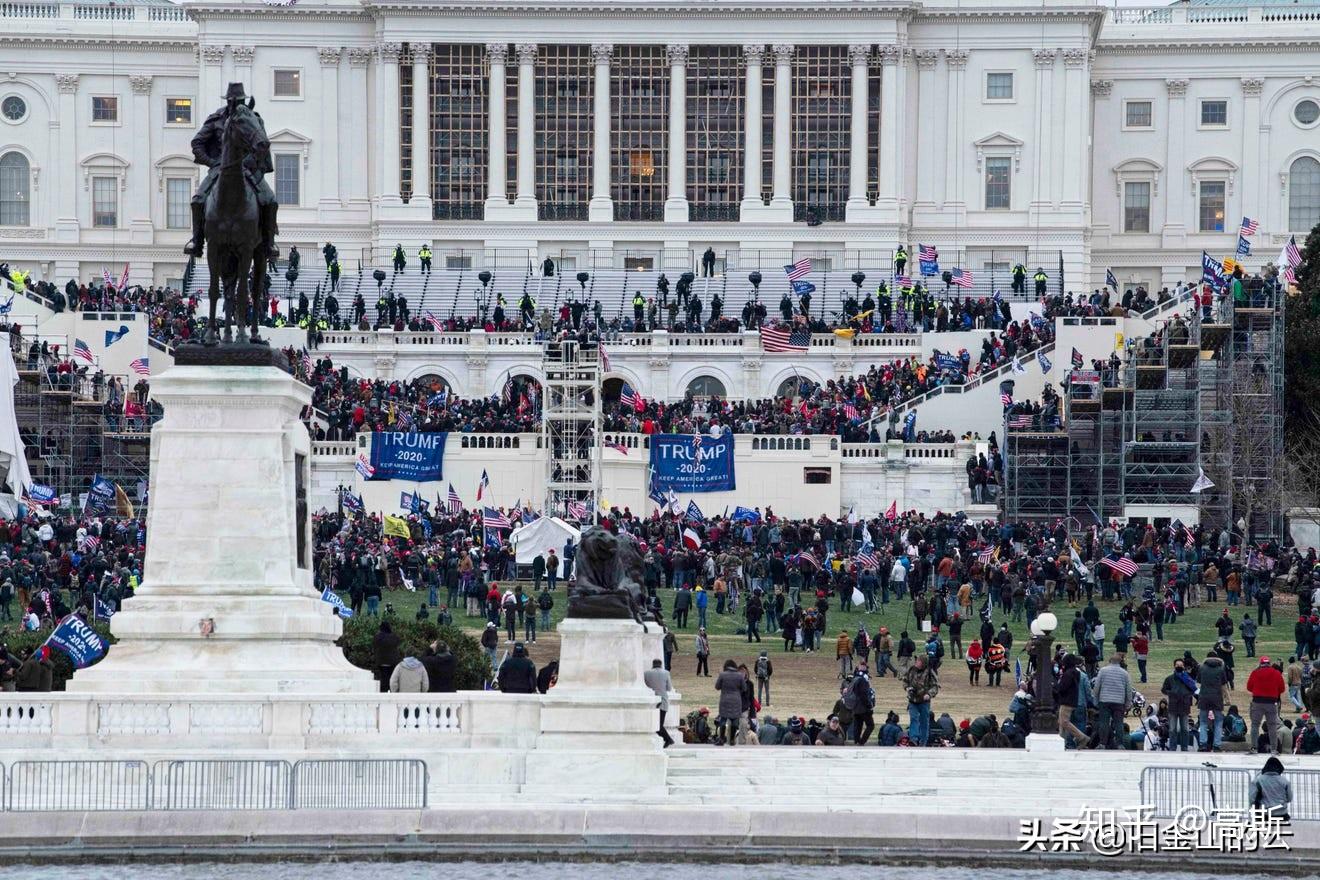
(570, 425)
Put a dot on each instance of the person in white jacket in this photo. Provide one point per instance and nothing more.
(410, 677)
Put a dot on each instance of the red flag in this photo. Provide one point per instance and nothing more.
(892, 512)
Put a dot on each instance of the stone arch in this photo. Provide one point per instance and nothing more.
(778, 379)
(714, 372)
(446, 375)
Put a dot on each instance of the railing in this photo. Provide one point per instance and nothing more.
(216, 784)
(94, 12)
(1171, 790)
(1181, 14)
(334, 448)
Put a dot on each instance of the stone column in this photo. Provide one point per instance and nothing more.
(930, 139)
(955, 198)
(1253, 204)
(676, 203)
(892, 131)
(421, 127)
(601, 208)
(243, 56)
(782, 198)
(752, 130)
(1076, 130)
(64, 134)
(138, 203)
(497, 196)
(1174, 233)
(526, 197)
(210, 78)
(328, 150)
(387, 80)
(357, 174)
(859, 142)
(1043, 196)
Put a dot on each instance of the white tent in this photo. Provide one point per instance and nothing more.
(11, 444)
(541, 536)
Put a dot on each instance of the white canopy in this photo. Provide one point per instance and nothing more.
(11, 444)
(541, 536)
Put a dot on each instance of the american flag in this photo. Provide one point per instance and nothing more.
(506, 393)
(1249, 226)
(779, 340)
(986, 555)
(1291, 253)
(431, 319)
(629, 397)
(1121, 564)
(961, 277)
(141, 366)
(1076, 357)
(927, 253)
(90, 543)
(800, 269)
(1191, 540)
(867, 558)
(577, 510)
(81, 350)
(617, 447)
(807, 557)
(494, 519)
(1020, 421)
(604, 358)
(903, 281)
(306, 358)
(1005, 398)
(455, 503)
(850, 411)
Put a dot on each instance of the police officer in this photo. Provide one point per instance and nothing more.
(639, 307)
(400, 259)
(716, 307)
(1040, 278)
(900, 260)
(884, 303)
(786, 307)
(527, 307)
(1019, 278)
(424, 255)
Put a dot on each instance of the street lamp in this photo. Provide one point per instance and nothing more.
(1044, 718)
(484, 304)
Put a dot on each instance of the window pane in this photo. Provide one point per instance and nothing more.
(1136, 206)
(15, 189)
(996, 182)
(1214, 113)
(999, 85)
(1212, 206)
(288, 83)
(1304, 194)
(105, 109)
(178, 196)
(178, 111)
(287, 190)
(1138, 114)
(105, 201)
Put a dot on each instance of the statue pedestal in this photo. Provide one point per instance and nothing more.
(1045, 742)
(226, 603)
(597, 738)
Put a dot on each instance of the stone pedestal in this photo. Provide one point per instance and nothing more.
(1045, 742)
(597, 738)
(227, 603)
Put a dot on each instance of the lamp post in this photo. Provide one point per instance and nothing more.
(483, 299)
(1044, 717)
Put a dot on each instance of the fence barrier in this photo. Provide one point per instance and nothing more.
(1172, 789)
(371, 784)
(44, 786)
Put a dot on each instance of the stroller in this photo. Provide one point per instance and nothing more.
(1138, 708)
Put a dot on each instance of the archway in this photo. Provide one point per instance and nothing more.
(706, 386)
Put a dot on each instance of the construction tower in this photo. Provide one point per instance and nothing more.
(570, 425)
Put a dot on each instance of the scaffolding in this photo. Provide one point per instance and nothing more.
(570, 425)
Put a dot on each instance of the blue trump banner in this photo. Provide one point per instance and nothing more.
(693, 463)
(101, 495)
(412, 456)
(39, 494)
(741, 514)
(330, 596)
(78, 640)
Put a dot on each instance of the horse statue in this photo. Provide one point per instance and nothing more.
(235, 244)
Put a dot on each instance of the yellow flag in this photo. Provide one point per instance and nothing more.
(397, 527)
(845, 332)
(1118, 342)
(123, 507)
(1229, 265)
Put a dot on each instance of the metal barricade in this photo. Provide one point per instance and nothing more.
(349, 784)
(1171, 789)
(1305, 793)
(222, 785)
(43, 786)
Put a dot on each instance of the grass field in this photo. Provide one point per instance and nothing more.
(807, 684)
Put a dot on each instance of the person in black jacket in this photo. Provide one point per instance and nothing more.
(1066, 698)
(440, 664)
(518, 673)
(385, 647)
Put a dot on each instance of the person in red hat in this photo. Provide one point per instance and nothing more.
(1266, 686)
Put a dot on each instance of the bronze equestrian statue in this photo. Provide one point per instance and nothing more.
(235, 211)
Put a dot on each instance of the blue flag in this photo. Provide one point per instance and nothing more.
(329, 595)
(1111, 280)
(83, 645)
(352, 503)
(741, 514)
(800, 287)
(909, 426)
(1244, 246)
(113, 336)
(101, 495)
(1212, 271)
(694, 513)
(930, 267)
(104, 610)
(1043, 361)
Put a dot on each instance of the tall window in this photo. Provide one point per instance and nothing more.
(15, 190)
(178, 199)
(563, 131)
(1136, 206)
(105, 109)
(998, 189)
(105, 201)
(639, 107)
(460, 126)
(715, 93)
(288, 182)
(821, 121)
(406, 133)
(1211, 207)
(1304, 194)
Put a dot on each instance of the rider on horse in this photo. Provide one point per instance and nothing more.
(206, 147)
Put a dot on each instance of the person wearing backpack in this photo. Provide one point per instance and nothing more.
(764, 669)
(544, 602)
(862, 697)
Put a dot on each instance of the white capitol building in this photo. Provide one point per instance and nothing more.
(635, 134)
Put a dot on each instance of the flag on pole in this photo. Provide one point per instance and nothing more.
(778, 340)
(1243, 246)
(81, 349)
(960, 277)
(1212, 271)
(800, 269)
(364, 467)
(494, 519)
(1249, 226)
(629, 397)
(141, 366)
(1044, 362)
(806, 557)
(892, 513)
(577, 511)
(691, 539)
(483, 485)
(1202, 482)
(1018, 366)
(617, 447)
(330, 596)
(396, 526)
(604, 358)
(1076, 357)
(928, 259)
(1111, 280)
(1121, 564)
(694, 513)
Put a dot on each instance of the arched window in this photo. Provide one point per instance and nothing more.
(15, 189)
(431, 383)
(706, 386)
(1304, 194)
(610, 390)
(788, 387)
